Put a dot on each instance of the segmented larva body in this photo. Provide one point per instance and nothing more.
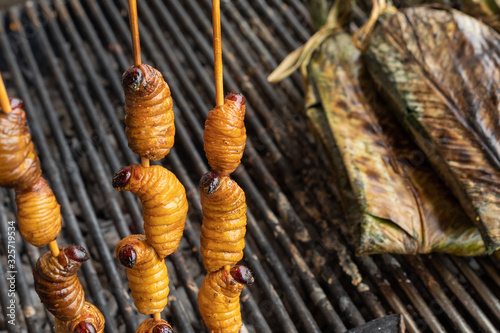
(224, 221)
(153, 326)
(56, 282)
(219, 299)
(38, 214)
(225, 135)
(149, 116)
(164, 203)
(90, 320)
(147, 273)
(19, 167)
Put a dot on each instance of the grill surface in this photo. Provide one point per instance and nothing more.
(65, 60)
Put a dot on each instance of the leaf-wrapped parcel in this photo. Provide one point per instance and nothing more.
(440, 69)
(391, 196)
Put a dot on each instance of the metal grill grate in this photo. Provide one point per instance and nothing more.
(65, 59)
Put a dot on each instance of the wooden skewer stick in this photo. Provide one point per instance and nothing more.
(157, 316)
(54, 248)
(4, 99)
(219, 84)
(145, 162)
(136, 47)
(134, 30)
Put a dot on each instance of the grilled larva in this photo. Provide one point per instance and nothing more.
(164, 203)
(225, 135)
(219, 298)
(152, 326)
(20, 167)
(147, 273)
(90, 320)
(224, 221)
(38, 214)
(149, 116)
(56, 282)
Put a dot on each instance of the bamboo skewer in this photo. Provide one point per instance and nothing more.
(219, 84)
(145, 162)
(134, 30)
(54, 248)
(136, 48)
(4, 98)
(157, 316)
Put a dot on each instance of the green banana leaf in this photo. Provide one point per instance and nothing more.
(440, 69)
(393, 205)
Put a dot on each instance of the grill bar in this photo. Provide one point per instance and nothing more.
(313, 285)
(458, 290)
(436, 290)
(482, 289)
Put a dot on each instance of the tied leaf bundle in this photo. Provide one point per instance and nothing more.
(391, 196)
(440, 69)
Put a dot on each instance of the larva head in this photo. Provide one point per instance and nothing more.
(133, 79)
(242, 274)
(162, 328)
(127, 256)
(210, 182)
(75, 253)
(84, 327)
(122, 177)
(238, 98)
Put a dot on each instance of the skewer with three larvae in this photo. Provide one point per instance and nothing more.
(39, 221)
(150, 131)
(223, 204)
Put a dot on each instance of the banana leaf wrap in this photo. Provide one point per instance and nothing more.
(440, 70)
(393, 204)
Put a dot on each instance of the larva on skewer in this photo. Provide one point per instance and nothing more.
(56, 282)
(225, 135)
(38, 214)
(164, 203)
(224, 221)
(146, 272)
(90, 320)
(20, 167)
(149, 116)
(153, 326)
(219, 298)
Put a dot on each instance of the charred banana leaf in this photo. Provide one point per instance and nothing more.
(487, 11)
(441, 71)
(394, 203)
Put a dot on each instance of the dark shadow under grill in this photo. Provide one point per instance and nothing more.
(65, 60)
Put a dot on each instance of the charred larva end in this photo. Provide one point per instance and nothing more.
(133, 79)
(127, 256)
(76, 253)
(210, 182)
(122, 177)
(162, 328)
(16, 103)
(238, 98)
(242, 274)
(85, 327)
